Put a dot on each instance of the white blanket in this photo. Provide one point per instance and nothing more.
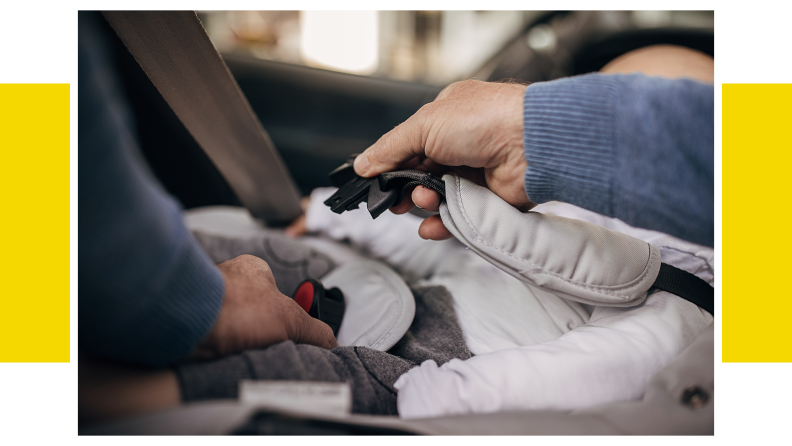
(533, 350)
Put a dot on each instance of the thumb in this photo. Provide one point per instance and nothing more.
(404, 142)
(315, 332)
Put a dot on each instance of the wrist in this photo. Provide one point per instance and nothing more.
(507, 180)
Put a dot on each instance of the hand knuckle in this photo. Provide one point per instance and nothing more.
(246, 258)
(263, 266)
(426, 109)
(253, 261)
(448, 89)
(458, 86)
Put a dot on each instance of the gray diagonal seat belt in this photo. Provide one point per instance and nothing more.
(174, 50)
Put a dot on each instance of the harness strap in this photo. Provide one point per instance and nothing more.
(388, 189)
(672, 279)
(174, 50)
(687, 286)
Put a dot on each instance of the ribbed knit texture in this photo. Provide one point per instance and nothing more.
(172, 313)
(148, 293)
(633, 147)
(569, 141)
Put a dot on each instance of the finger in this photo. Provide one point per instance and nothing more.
(315, 332)
(412, 163)
(395, 147)
(433, 229)
(435, 169)
(405, 206)
(426, 199)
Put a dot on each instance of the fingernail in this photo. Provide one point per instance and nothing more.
(362, 164)
(413, 197)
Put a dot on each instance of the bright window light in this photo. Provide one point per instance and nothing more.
(340, 40)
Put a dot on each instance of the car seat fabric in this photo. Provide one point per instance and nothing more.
(567, 356)
(691, 257)
(237, 223)
(434, 334)
(494, 310)
(290, 261)
(572, 259)
(379, 304)
(663, 410)
(673, 322)
(611, 358)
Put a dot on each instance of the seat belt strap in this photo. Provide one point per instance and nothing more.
(687, 286)
(174, 50)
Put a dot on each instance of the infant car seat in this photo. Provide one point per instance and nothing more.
(575, 260)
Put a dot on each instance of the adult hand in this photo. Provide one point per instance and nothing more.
(474, 129)
(255, 314)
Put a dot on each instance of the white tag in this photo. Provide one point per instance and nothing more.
(298, 396)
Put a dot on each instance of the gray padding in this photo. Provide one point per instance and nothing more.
(574, 259)
(290, 260)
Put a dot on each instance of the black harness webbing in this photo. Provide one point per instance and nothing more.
(687, 286)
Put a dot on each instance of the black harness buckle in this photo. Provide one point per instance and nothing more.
(380, 192)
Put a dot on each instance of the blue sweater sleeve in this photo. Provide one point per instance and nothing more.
(148, 294)
(633, 147)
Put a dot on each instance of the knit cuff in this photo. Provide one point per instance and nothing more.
(569, 141)
(190, 298)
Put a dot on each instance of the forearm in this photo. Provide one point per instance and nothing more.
(628, 146)
(148, 294)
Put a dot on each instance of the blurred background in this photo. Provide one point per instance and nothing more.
(326, 84)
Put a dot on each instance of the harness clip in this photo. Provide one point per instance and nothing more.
(379, 192)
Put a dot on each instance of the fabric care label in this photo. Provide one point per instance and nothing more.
(298, 396)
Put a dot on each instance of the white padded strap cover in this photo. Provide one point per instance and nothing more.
(379, 305)
(573, 259)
